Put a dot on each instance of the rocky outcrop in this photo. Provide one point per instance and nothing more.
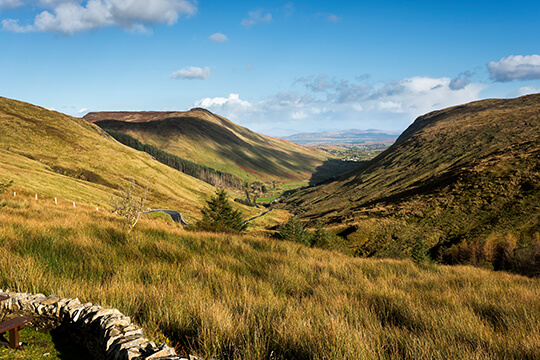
(106, 333)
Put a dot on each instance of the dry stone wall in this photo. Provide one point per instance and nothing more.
(106, 333)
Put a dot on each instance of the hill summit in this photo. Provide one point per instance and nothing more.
(460, 174)
(205, 138)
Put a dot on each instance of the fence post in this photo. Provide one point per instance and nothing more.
(55, 201)
(36, 196)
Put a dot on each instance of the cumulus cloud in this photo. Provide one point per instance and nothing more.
(192, 72)
(231, 106)
(515, 67)
(257, 17)
(219, 102)
(461, 81)
(73, 16)
(218, 38)
(10, 4)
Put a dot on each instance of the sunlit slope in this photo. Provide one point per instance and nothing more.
(248, 297)
(208, 139)
(459, 173)
(56, 155)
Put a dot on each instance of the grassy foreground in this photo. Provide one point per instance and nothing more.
(249, 297)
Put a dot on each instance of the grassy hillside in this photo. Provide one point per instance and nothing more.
(54, 155)
(211, 140)
(246, 297)
(462, 174)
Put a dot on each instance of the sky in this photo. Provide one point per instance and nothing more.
(276, 67)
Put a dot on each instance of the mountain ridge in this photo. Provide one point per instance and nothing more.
(200, 136)
(458, 174)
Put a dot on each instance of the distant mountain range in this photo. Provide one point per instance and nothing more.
(351, 136)
(205, 138)
(462, 174)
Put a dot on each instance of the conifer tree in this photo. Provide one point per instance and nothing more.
(219, 215)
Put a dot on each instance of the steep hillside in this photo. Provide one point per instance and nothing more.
(460, 174)
(55, 155)
(211, 140)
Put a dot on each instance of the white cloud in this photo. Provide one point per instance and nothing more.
(192, 72)
(297, 115)
(82, 112)
(526, 90)
(325, 102)
(73, 16)
(256, 17)
(515, 67)
(389, 105)
(13, 26)
(10, 4)
(231, 107)
(218, 38)
(219, 102)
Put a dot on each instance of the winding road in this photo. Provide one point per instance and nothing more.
(176, 216)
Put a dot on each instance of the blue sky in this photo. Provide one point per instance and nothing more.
(277, 67)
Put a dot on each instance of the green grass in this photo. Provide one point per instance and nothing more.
(251, 297)
(267, 199)
(37, 346)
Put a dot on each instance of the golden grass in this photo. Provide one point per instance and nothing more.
(249, 297)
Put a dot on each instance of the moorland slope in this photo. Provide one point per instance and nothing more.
(460, 174)
(211, 140)
(250, 297)
(55, 155)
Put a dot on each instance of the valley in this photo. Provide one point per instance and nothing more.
(368, 251)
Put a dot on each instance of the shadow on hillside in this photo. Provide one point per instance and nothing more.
(331, 169)
(255, 157)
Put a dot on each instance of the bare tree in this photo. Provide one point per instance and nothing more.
(130, 203)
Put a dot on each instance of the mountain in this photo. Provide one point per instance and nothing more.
(462, 174)
(351, 136)
(55, 155)
(211, 140)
